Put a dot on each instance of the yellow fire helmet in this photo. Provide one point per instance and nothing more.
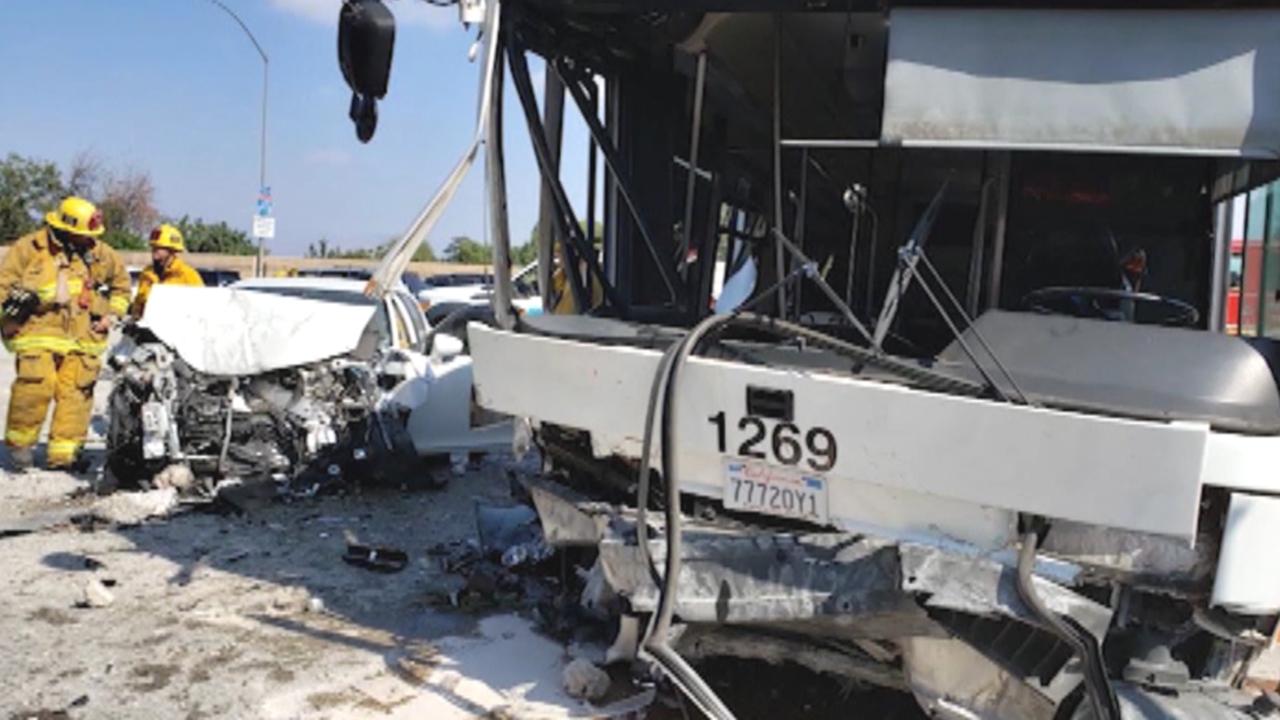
(77, 216)
(168, 236)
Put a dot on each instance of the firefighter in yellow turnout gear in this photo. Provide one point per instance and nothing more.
(166, 267)
(62, 289)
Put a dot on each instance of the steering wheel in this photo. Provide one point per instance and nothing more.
(1108, 304)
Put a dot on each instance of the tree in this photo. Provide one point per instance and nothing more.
(122, 239)
(84, 175)
(127, 202)
(424, 253)
(527, 253)
(319, 249)
(463, 249)
(522, 255)
(218, 237)
(28, 188)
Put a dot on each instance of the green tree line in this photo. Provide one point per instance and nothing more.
(30, 187)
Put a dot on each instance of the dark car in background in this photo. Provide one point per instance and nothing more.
(218, 278)
(457, 280)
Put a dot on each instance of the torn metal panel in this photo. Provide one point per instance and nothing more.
(566, 519)
(235, 331)
(741, 578)
(954, 681)
(1109, 552)
(867, 586)
(981, 586)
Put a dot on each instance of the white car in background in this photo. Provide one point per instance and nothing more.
(471, 293)
(294, 380)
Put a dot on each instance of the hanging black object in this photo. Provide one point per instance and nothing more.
(366, 37)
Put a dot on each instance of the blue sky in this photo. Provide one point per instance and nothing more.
(173, 87)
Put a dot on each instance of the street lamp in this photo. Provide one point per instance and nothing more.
(262, 159)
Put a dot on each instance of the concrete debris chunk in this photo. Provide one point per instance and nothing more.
(177, 476)
(585, 681)
(132, 508)
(95, 595)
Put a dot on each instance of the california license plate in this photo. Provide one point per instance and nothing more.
(760, 487)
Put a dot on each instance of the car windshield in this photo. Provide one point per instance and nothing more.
(350, 273)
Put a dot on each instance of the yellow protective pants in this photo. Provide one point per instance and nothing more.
(67, 380)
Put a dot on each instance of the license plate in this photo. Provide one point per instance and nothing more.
(764, 488)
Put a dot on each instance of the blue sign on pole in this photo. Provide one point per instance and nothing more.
(264, 202)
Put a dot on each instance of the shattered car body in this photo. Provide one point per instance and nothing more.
(944, 446)
(301, 382)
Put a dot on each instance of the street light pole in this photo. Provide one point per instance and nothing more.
(262, 158)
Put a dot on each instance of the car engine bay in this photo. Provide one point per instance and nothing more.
(301, 427)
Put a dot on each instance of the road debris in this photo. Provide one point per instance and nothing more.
(377, 559)
(132, 508)
(583, 680)
(95, 594)
(177, 476)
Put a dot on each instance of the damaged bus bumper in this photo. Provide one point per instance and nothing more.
(913, 579)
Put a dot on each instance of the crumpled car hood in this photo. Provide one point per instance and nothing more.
(228, 331)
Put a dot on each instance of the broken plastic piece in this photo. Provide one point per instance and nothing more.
(377, 559)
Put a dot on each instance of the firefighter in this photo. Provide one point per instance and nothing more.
(62, 290)
(166, 267)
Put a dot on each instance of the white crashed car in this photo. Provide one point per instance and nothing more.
(295, 380)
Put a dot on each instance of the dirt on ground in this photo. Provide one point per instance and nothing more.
(256, 615)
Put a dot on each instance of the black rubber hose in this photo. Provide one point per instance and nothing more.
(662, 390)
(1101, 695)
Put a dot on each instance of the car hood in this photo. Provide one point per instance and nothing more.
(235, 331)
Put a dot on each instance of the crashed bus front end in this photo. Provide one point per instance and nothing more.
(899, 356)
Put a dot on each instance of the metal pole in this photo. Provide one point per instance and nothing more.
(801, 210)
(779, 257)
(262, 162)
(496, 185)
(695, 135)
(548, 227)
(262, 158)
(591, 166)
(1221, 252)
(997, 240)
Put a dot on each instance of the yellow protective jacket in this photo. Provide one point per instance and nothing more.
(74, 289)
(178, 273)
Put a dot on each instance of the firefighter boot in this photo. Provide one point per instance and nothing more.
(21, 459)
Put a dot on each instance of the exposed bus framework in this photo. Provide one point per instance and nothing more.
(941, 443)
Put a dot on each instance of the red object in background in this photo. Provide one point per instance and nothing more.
(1231, 317)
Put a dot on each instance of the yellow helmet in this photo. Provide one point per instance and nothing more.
(77, 216)
(168, 236)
